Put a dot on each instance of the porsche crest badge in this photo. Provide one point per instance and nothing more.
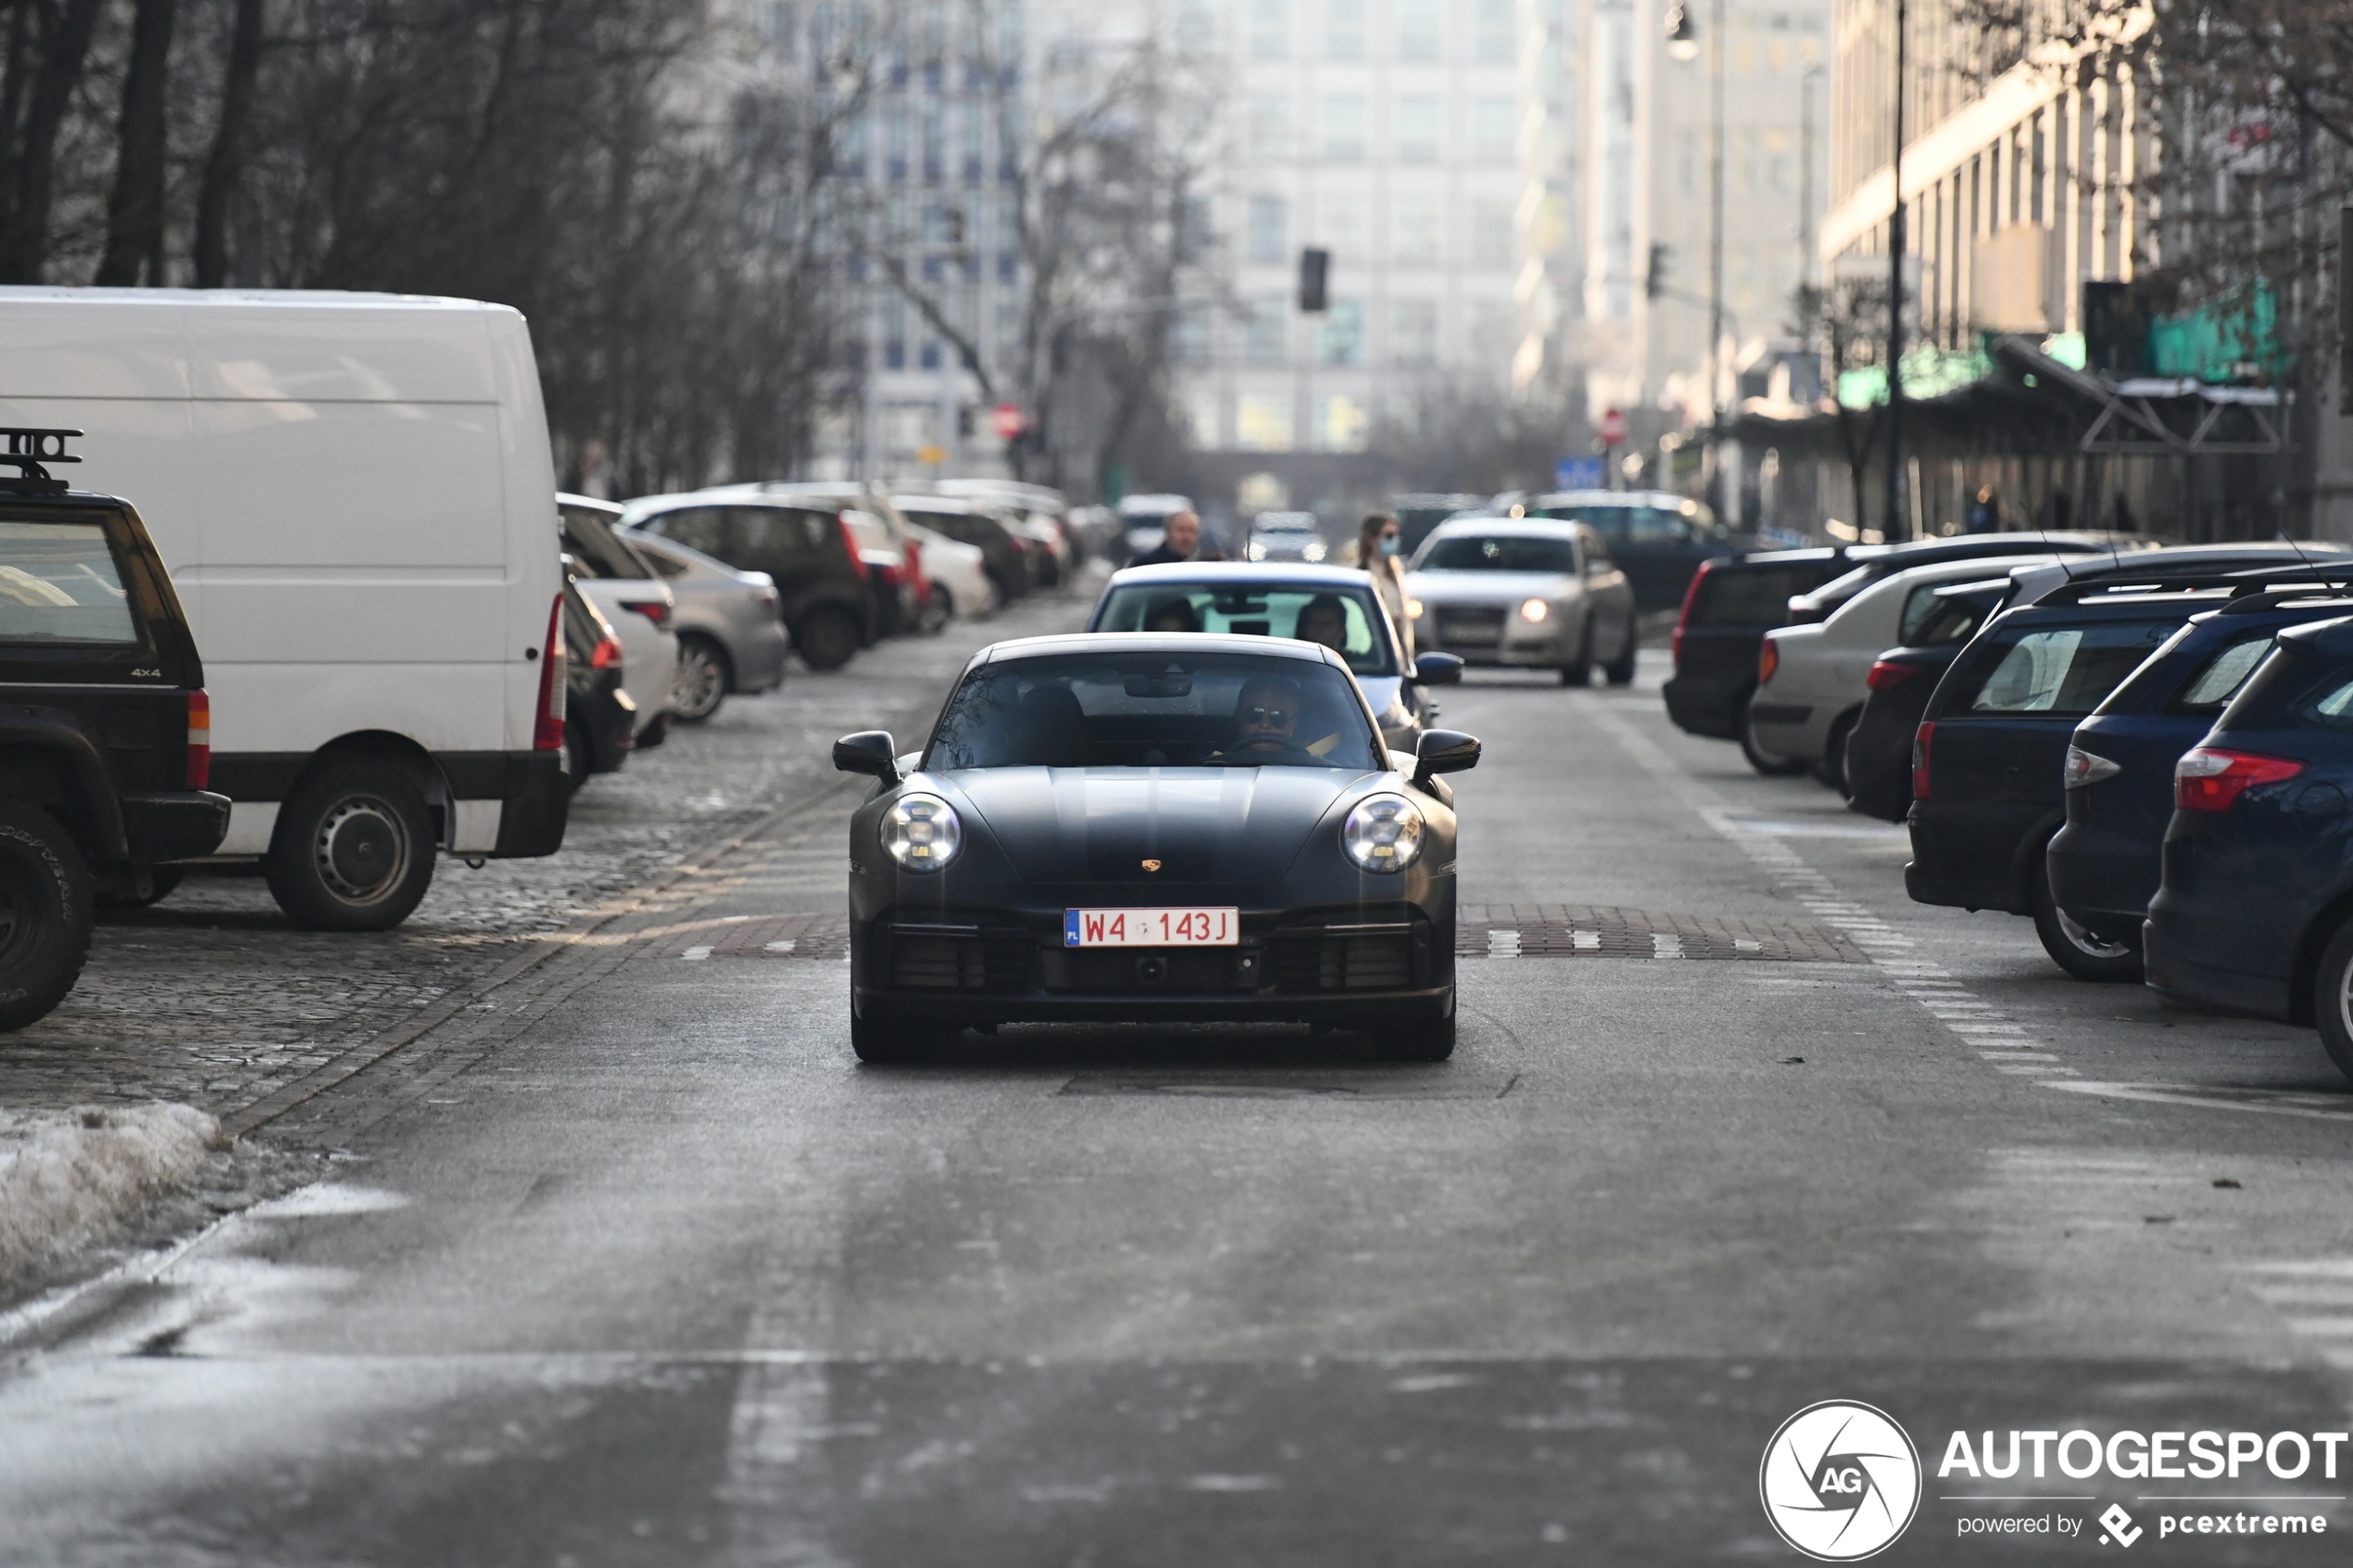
(1152, 865)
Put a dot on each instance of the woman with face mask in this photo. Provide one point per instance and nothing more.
(1376, 551)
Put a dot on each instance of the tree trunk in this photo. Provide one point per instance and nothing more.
(24, 246)
(226, 160)
(134, 212)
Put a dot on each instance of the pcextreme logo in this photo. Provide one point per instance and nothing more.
(1839, 1481)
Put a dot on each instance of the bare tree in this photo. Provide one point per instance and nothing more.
(1846, 324)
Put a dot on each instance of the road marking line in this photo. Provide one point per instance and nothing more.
(1502, 942)
(2274, 1104)
(1666, 944)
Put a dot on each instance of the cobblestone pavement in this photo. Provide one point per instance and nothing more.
(214, 999)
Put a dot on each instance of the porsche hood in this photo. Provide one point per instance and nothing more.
(1199, 824)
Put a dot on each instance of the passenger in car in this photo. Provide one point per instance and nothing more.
(1323, 620)
(1172, 615)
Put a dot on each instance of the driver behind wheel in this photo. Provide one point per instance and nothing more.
(1267, 717)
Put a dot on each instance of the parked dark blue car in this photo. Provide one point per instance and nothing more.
(2106, 863)
(2256, 912)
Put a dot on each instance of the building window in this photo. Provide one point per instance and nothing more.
(1419, 131)
(1267, 240)
(1497, 33)
(1490, 130)
(1491, 231)
(1262, 332)
(1412, 331)
(1268, 124)
(1419, 35)
(1261, 422)
(1341, 227)
(1340, 424)
(1493, 330)
(1344, 28)
(1270, 29)
(1343, 127)
(1191, 339)
(1414, 228)
(1339, 338)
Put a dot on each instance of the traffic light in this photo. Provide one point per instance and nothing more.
(1654, 281)
(1315, 266)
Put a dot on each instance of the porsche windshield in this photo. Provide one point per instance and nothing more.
(1147, 711)
(1344, 620)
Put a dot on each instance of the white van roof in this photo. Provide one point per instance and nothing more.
(252, 344)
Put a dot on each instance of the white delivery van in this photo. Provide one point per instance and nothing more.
(356, 499)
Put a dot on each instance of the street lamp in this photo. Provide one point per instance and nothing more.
(1682, 44)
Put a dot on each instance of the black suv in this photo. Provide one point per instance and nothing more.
(105, 729)
(825, 593)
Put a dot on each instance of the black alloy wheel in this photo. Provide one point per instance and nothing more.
(1772, 764)
(2077, 949)
(702, 682)
(46, 909)
(353, 851)
(2333, 999)
(826, 637)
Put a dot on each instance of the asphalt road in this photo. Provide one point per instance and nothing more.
(666, 1277)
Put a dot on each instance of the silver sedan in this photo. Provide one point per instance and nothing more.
(730, 638)
(1524, 591)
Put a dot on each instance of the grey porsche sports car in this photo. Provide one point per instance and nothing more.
(1142, 827)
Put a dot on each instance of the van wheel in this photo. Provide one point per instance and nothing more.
(1830, 771)
(2333, 999)
(2076, 949)
(46, 909)
(827, 638)
(353, 851)
(700, 684)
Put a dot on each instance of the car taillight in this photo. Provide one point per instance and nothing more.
(1769, 658)
(849, 543)
(605, 654)
(1691, 598)
(2209, 780)
(555, 670)
(199, 739)
(1887, 673)
(2084, 768)
(652, 609)
(915, 567)
(1922, 738)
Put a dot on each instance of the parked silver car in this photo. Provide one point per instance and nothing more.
(1523, 592)
(625, 589)
(730, 637)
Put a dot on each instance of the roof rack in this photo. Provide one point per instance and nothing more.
(29, 450)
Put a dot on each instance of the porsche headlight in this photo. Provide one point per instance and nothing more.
(1383, 834)
(922, 833)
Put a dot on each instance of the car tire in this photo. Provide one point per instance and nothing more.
(1772, 764)
(1431, 1040)
(1830, 771)
(1620, 670)
(891, 1044)
(2076, 950)
(702, 682)
(2333, 999)
(827, 638)
(580, 756)
(353, 851)
(1579, 671)
(46, 909)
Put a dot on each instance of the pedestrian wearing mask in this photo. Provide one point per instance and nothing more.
(1375, 552)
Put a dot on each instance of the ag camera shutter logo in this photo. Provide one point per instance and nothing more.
(1841, 1481)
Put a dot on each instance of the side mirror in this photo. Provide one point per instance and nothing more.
(1438, 669)
(868, 751)
(1445, 751)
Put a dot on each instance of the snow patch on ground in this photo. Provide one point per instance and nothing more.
(70, 1178)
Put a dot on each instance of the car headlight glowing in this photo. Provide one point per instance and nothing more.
(1383, 834)
(1257, 550)
(1534, 609)
(1413, 610)
(922, 832)
(1312, 550)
